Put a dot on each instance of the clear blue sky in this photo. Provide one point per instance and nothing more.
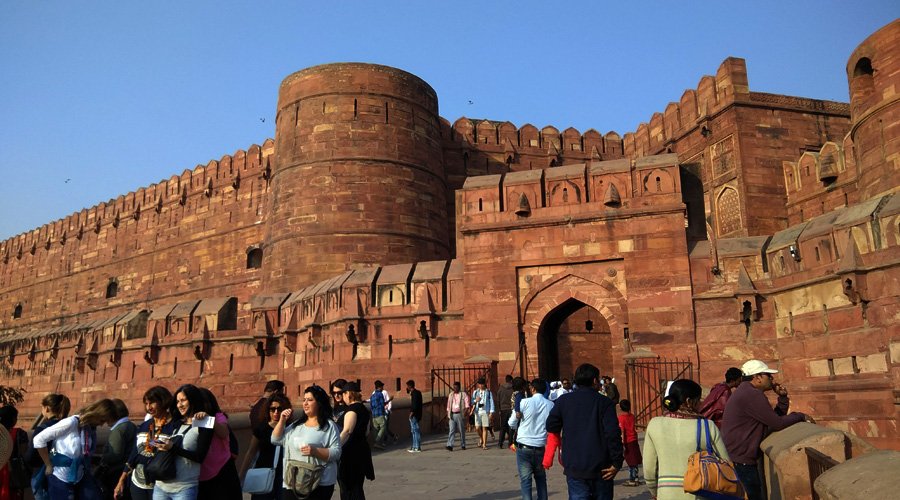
(113, 96)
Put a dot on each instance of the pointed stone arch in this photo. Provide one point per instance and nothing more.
(601, 295)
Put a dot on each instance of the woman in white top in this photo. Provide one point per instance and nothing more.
(74, 439)
(190, 443)
(313, 438)
(672, 438)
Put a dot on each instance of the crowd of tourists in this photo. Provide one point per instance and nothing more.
(185, 449)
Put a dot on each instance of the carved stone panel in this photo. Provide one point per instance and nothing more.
(721, 156)
(728, 211)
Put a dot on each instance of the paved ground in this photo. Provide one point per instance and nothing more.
(437, 474)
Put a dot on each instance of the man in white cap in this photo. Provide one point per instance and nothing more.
(749, 417)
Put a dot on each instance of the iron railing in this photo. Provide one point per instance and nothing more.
(646, 381)
(818, 463)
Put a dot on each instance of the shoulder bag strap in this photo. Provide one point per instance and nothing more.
(698, 435)
(275, 459)
(709, 445)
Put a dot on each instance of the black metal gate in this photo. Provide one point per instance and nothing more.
(646, 380)
(442, 379)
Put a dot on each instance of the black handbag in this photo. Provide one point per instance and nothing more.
(162, 466)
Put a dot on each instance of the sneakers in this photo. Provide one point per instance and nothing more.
(416, 450)
(631, 483)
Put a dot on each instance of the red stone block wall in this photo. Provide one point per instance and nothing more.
(358, 176)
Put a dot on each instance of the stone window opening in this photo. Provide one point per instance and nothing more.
(390, 346)
(658, 185)
(355, 109)
(17, 312)
(112, 288)
(391, 296)
(386, 113)
(230, 362)
(863, 68)
(818, 257)
(480, 205)
(254, 258)
(565, 194)
(781, 261)
(398, 385)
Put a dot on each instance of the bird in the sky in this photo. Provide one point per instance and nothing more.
(262, 120)
(470, 102)
(67, 180)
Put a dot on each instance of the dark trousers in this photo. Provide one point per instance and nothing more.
(86, 489)
(749, 476)
(225, 485)
(352, 490)
(320, 493)
(504, 428)
(590, 489)
(139, 493)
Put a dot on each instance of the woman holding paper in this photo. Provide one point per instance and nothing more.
(189, 441)
(218, 474)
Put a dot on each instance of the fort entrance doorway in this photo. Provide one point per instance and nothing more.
(571, 334)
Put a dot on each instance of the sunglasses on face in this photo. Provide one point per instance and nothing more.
(337, 393)
(274, 409)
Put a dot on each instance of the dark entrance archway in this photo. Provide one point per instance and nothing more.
(564, 341)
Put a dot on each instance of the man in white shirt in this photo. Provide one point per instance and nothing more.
(531, 439)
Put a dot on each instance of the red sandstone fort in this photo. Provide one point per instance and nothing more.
(374, 239)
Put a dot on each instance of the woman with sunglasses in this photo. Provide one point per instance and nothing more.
(314, 438)
(261, 442)
(337, 392)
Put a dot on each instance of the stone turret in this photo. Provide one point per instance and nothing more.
(358, 177)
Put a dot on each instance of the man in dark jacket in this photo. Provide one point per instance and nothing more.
(591, 440)
(713, 407)
(415, 415)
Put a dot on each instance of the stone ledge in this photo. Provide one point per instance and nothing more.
(870, 476)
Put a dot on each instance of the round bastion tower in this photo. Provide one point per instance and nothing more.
(873, 72)
(358, 177)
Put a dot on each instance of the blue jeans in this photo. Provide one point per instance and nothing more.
(529, 462)
(86, 489)
(185, 494)
(590, 489)
(633, 473)
(416, 433)
(749, 476)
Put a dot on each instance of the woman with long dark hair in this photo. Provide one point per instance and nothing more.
(157, 405)
(261, 442)
(356, 457)
(74, 439)
(672, 438)
(189, 443)
(313, 438)
(218, 474)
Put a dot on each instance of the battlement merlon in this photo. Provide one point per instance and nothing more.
(216, 174)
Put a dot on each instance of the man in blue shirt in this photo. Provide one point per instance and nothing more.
(379, 415)
(531, 438)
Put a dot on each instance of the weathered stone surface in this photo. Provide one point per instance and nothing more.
(373, 239)
(870, 476)
(787, 472)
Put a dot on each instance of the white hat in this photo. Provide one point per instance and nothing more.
(5, 446)
(755, 367)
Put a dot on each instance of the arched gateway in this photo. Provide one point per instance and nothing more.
(555, 326)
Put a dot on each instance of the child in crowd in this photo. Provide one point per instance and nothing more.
(630, 440)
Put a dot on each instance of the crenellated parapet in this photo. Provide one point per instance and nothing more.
(178, 196)
(610, 185)
(485, 146)
(692, 112)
